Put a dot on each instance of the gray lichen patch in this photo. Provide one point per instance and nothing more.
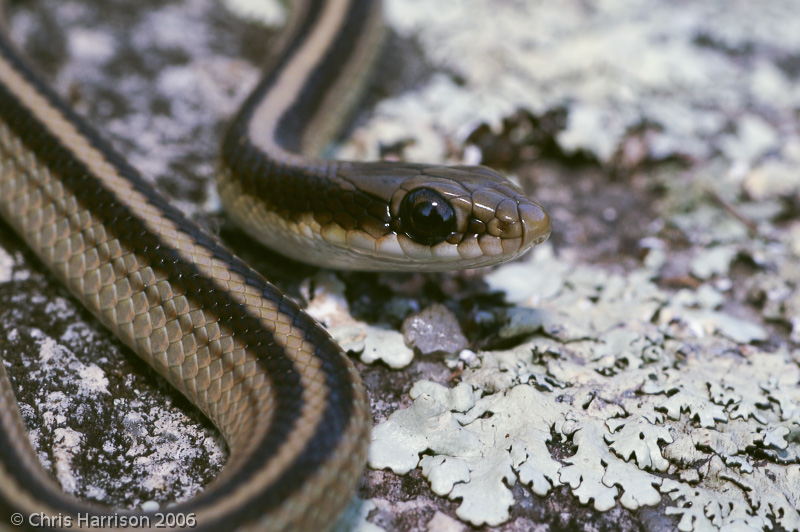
(624, 382)
(147, 449)
(700, 80)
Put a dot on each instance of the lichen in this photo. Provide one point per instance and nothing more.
(636, 391)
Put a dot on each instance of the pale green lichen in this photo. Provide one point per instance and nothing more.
(373, 343)
(640, 438)
(636, 381)
(614, 67)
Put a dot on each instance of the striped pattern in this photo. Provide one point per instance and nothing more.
(287, 400)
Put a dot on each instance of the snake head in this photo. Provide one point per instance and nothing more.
(449, 217)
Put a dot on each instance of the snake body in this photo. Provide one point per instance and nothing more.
(288, 402)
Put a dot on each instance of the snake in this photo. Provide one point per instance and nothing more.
(289, 403)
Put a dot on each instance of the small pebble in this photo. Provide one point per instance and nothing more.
(434, 330)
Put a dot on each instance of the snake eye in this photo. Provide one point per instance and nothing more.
(426, 217)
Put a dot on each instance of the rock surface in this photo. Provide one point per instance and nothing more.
(640, 371)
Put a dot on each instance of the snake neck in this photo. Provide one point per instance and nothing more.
(321, 64)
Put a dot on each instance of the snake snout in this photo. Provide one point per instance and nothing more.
(536, 223)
